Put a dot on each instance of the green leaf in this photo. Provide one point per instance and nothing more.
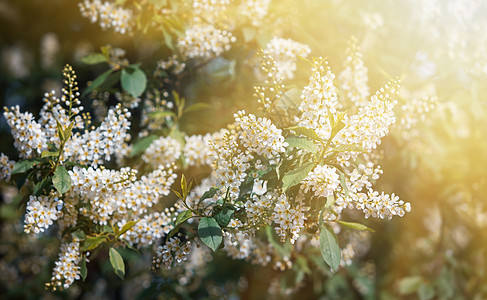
(23, 166)
(295, 176)
(337, 124)
(117, 263)
(426, 292)
(78, 234)
(162, 114)
(133, 81)
(158, 3)
(224, 216)
(98, 82)
(343, 183)
(41, 185)
(290, 100)
(220, 70)
(306, 132)
(329, 248)
(283, 252)
(210, 233)
(209, 194)
(49, 154)
(142, 144)
(348, 148)
(94, 58)
(82, 268)
(61, 180)
(92, 242)
(301, 143)
(354, 225)
(168, 39)
(410, 284)
(182, 217)
(127, 227)
(197, 107)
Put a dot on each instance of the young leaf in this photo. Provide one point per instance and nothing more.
(290, 100)
(94, 58)
(61, 180)
(117, 263)
(133, 81)
(355, 225)
(127, 227)
(82, 268)
(295, 176)
(24, 165)
(329, 248)
(182, 217)
(301, 143)
(348, 148)
(306, 132)
(92, 242)
(210, 233)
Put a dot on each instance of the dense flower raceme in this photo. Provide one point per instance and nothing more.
(107, 14)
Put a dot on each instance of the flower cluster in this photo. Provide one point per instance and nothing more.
(41, 212)
(289, 219)
(6, 167)
(322, 181)
(255, 10)
(174, 250)
(67, 268)
(285, 52)
(204, 42)
(107, 14)
(353, 79)
(319, 100)
(162, 151)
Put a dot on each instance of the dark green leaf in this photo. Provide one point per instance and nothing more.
(94, 58)
(295, 176)
(82, 268)
(301, 143)
(79, 234)
(329, 248)
(23, 166)
(209, 194)
(98, 82)
(41, 185)
(210, 233)
(61, 180)
(224, 216)
(117, 263)
(133, 81)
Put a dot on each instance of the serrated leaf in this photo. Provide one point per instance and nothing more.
(92, 242)
(410, 284)
(224, 216)
(23, 166)
(209, 194)
(210, 233)
(306, 132)
(142, 144)
(127, 227)
(61, 180)
(329, 248)
(117, 263)
(98, 82)
(94, 58)
(348, 148)
(133, 81)
(354, 225)
(301, 143)
(82, 268)
(295, 176)
(290, 100)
